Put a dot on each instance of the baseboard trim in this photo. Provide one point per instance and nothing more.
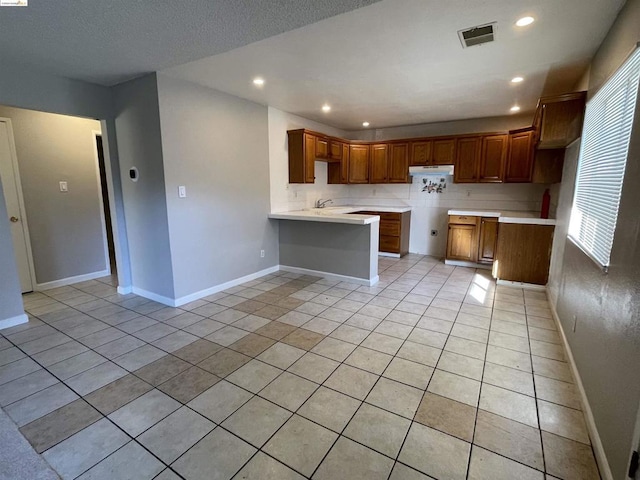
(125, 290)
(153, 296)
(526, 286)
(13, 321)
(388, 254)
(223, 286)
(598, 449)
(462, 263)
(331, 276)
(70, 280)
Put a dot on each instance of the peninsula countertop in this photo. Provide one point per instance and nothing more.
(338, 214)
(507, 216)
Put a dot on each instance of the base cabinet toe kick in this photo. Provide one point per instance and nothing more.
(518, 253)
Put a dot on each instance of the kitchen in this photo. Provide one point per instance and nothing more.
(411, 171)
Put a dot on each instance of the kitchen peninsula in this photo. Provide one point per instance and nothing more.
(339, 242)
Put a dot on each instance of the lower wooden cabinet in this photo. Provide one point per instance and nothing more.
(394, 231)
(524, 253)
(472, 239)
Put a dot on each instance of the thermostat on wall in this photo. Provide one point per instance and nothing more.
(133, 174)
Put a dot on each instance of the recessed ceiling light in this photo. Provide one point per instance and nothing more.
(258, 81)
(515, 108)
(524, 21)
(517, 79)
(365, 124)
(326, 108)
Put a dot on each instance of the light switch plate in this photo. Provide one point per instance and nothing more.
(64, 187)
(182, 191)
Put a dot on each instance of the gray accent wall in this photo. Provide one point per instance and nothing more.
(217, 146)
(137, 124)
(10, 292)
(606, 342)
(66, 229)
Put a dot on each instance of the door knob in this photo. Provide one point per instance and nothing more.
(14, 219)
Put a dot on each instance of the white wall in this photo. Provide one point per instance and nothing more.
(429, 210)
(285, 196)
(217, 146)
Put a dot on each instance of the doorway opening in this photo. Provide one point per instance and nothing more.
(106, 208)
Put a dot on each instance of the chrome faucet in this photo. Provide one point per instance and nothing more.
(322, 203)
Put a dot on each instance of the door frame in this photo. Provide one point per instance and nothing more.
(103, 221)
(23, 212)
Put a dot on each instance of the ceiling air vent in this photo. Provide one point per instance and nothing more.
(477, 35)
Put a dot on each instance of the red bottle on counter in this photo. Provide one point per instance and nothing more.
(546, 203)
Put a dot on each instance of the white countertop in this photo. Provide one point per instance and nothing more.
(507, 216)
(341, 214)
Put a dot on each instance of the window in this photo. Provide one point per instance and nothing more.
(603, 157)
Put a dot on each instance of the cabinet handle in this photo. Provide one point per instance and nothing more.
(463, 218)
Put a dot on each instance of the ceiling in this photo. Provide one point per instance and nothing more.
(110, 41)
(400, 62)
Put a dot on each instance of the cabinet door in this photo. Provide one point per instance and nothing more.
(338, 171)
(344, 164)
(467, 160)
(359, 164)
(379, 163)
(462, 243)
(562, 118)
(335, 150)
(488, 240)
(420, 153)
(399, 163)
(322, 147)
(309, 158)
(444, 151)
(494, 154)
(520, 161)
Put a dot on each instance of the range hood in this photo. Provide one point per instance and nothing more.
(432, 170)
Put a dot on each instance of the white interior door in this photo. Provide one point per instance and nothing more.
(15, 209)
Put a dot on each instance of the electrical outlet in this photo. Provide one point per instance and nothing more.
(182, 191)
(261, 253)
(64, 187)
(434, 233)
(575, 323)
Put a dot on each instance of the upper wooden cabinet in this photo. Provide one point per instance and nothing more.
(467, 159)
(444, 151)
(338, 172)
(519, 167)
(335, 150)
(398, 163)
(302, 156)
(358, 163)
(559, 119)
(379, 171)
(322, 147)
(420, 153)
(493, 157)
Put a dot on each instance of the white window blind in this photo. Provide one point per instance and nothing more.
(601, 165)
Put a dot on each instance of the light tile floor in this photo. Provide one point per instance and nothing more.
(433, 373)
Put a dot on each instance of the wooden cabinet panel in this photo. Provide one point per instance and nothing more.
(390, 228)
(335, 150)
(548, 165)
(309, 158)
(420, 153)
(488, 238)
(467, 160)
(296, 157)
(394, 231)
(444, 151)
(389, 244)
(493, 157)
(398, 163)
(463, 219)
(322, 147)
(560, 119)
(379, 171)
(462, 243)
(338, 172)
(519, 166)
(523, 253)
(358, 163)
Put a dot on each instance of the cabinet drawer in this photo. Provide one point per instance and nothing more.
(389, 244)
(391, 229)
(387, 216)
(463, 219)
